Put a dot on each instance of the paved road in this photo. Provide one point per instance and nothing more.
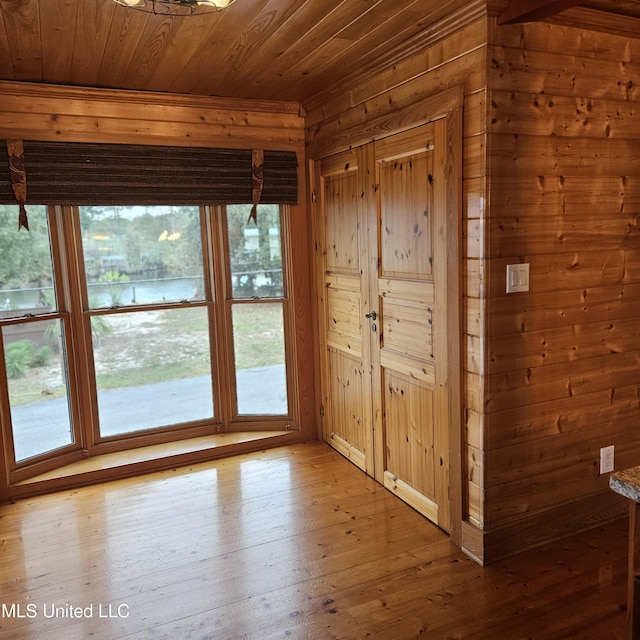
(43, 426)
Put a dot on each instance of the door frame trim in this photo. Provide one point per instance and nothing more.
(453, 186)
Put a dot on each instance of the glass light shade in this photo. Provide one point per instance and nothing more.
(176, 7)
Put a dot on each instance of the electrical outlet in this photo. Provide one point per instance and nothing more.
(606, 459)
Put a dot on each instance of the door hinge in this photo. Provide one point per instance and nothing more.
(313, 196)
(322, 410)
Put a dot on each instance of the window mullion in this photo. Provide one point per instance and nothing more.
(73, 300)
(7, 460)
(222, 327)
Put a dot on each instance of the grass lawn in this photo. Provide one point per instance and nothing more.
(145, 347)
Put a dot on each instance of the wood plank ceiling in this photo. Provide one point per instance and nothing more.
(259, 49)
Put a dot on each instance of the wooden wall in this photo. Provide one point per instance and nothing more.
(46, 112)
(562, 361)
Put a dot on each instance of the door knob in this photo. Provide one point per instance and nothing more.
(372, 314)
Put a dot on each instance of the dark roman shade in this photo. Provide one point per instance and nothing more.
(123, 174)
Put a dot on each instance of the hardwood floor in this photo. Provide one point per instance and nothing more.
(293, 542)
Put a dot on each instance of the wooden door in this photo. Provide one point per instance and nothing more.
(345, 358)
(388, 234)
(410, 354)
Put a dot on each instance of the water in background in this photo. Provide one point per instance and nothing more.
(150, 291)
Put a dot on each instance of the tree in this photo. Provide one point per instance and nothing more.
(184, 253)
(25, 256)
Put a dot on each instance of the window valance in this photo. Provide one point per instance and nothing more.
(126, 174)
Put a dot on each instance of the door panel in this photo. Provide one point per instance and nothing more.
(409, 413)
(405, 224)
(406, 319)
(344, 326)
(344, 342)
(341, 211)
(415, 458)
(347, 406)
(346, 387)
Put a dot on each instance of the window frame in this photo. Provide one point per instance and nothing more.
(46, 461)
(72, 298)
(251, 422)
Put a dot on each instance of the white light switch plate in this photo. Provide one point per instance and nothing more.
(517, 277)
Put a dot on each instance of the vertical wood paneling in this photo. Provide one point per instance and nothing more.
(305, 401)
(260, 49)
(21, 26)
(122, 40)
(89, 43)
(55, 18)
(6, 64)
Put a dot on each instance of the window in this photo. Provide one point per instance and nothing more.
(34, 330)
(152, 362)
(257, 310)
(127, 325)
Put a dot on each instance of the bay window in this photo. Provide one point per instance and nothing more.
(126, 325)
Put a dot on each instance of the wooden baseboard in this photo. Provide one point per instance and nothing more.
(348, 451)
(408, 494)
(548, 526)
(473, 542)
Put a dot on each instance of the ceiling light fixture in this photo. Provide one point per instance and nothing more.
(176, 7)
